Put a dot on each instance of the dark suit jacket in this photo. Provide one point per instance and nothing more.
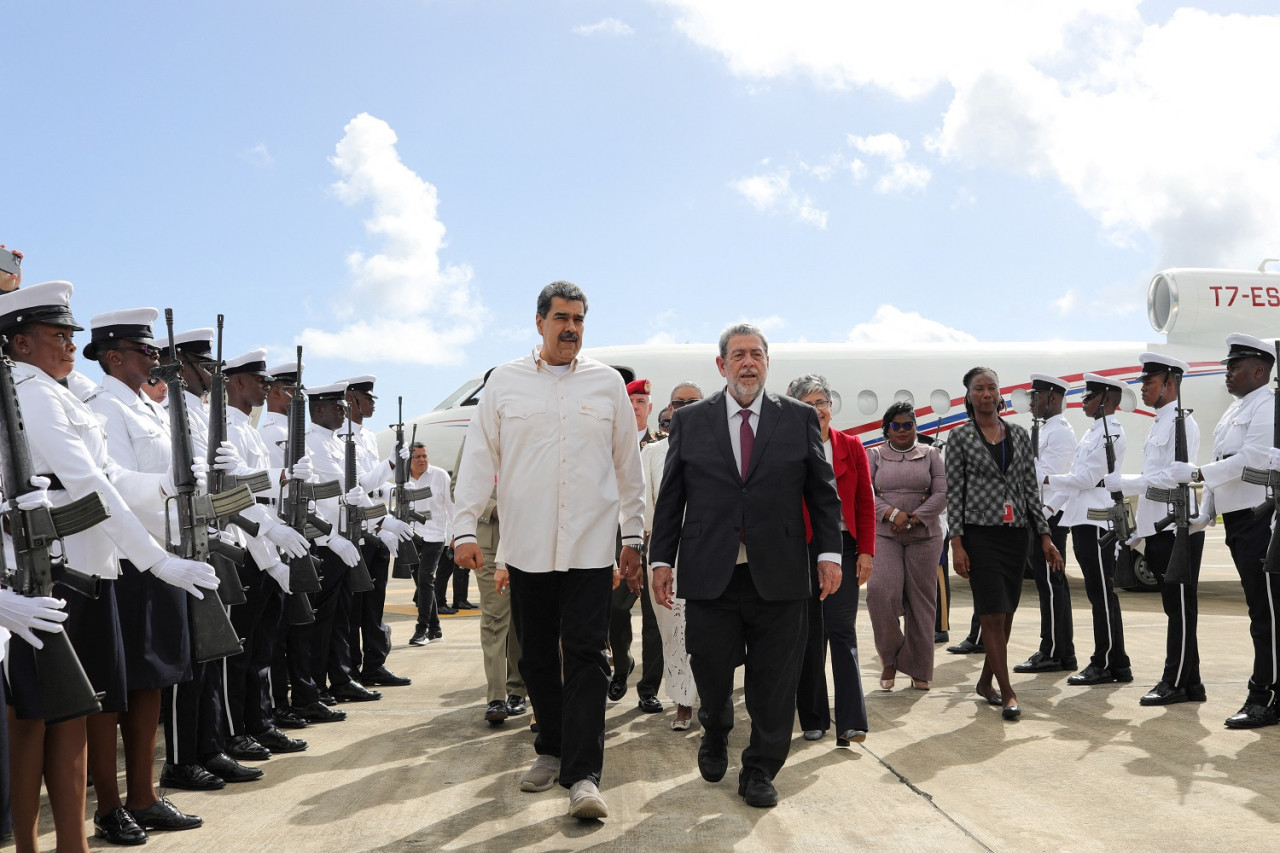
(704, 503)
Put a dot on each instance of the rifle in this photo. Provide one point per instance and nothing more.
(1119, 521)
(304, 573)
(1270, 479)
(358, 578)
(212, 634)
(1034, 396)
(65, 690)
(224, 557)
(1179, 500)
(407, 550)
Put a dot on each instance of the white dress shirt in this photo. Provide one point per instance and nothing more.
(274, 429)
(1157, 454)
(1078, 487)
(564, 452)
(1245, 425)
(327, 451)
(438, 528)
(137, 439)
(1057, 452)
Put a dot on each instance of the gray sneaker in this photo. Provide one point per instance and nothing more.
(585, 802)
(542, 775)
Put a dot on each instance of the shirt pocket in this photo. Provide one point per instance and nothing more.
(595, 421)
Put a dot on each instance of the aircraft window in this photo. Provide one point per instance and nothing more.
(868, 402)
(901, 396)
(469, 389)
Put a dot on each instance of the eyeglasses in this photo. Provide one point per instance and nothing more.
(146, 349)
(821, 404)
(679, 404)
(897, 427)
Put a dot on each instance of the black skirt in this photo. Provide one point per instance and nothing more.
(997, 556)
(153, 622)
(93, 626)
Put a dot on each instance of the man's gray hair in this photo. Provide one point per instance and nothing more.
(803, 386)
(694, 385)
(741, 329)
(566, 290)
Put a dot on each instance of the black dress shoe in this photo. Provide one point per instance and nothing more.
(446, 610)
(497, 712)
(189, 777)
(384, 677)
(650, 704)
(1011, 712)
(164, 815)
(756, 789)
(1039, 662)
(713, 756)
(1093, 675)
(516, 705)
(118, 827)
(618, 686)
(228, 769)
(465, 605)
(1252, 716)
(1125, 674)
(279, 742)
(964, 647)
(941, 637)
(318, 712)
(326, 698)
(245, 748)
(1165, 694)
(353, 691)
(286, 718)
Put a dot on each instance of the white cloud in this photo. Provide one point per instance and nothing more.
(403, 304)
(902, 174)
(890, 325)
(1066, 303)
(606, 27)
(773, 192)
(1160, 130)
(258, 155)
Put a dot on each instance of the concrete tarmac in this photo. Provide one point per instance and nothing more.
(1083, 769)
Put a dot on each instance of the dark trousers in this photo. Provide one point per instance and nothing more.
(424, 576)
(562, 622)
(370, 636)
(1182, 650)
(256, 622)
(330, 654)
(1056, 635)
(832, 621)
(1248, 538)
(975, 630)
(942, 620)
(291, 680)
(445, 570)
(769, 636)
(193, 715)
(1098, 565)
(620, 635)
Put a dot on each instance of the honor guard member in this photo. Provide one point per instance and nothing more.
(1057, 446)
(1180, 681)
(1243, 436)
(638, 391)
(273, 423)
(193, 712)
(153, 614)
(1079, 486)
(330, 654)
(264, 577)
(69, 448)
(370, 637)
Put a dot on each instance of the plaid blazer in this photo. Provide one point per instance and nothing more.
(977, 490)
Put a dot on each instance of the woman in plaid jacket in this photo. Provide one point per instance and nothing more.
(993, 506)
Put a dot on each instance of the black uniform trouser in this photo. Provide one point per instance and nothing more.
(1098, 565)
(833, 621)
(562, 620)
(620, 635)
(330, 654)
(194, 715)
(1182, 649)
(942, 620)
(445, 570)
(1057, 638)
(424, 576)
(975, 630)
(247, 673)
(370, 641)
(1248, 538)
(291, 680)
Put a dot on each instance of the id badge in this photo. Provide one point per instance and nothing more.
(1008, 513)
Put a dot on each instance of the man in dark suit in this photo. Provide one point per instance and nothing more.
(740, 468)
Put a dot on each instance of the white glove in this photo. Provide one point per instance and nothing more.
(199, 467)
(396, 527)
(357, 497)
(227, 458)
(24, 616)
(35, 499)
(288, 540)
(389, 539)
(190, 575)
(345, 551)
(1273, 459)
(1181, 472)
(1113, 482)
(404, 451)
(302, 470)
(280, 574)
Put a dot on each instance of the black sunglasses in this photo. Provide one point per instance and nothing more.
(897, 427)
(679, 404)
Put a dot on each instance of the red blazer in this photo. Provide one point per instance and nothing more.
(853, 483)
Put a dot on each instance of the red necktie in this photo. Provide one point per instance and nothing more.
(747, 438)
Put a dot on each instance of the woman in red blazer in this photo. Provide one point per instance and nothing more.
(832, 620)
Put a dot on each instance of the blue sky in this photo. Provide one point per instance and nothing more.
(391, 183)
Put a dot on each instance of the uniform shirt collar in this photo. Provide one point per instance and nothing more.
(116, 388)
(540, 363)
